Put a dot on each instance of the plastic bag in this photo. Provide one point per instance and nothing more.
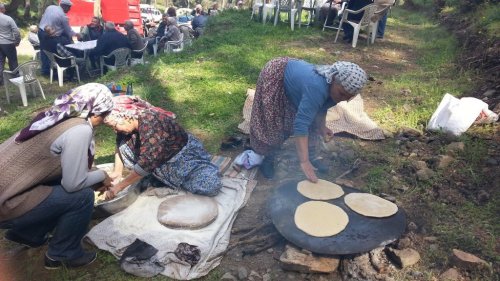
(455, 116)
(249, 159)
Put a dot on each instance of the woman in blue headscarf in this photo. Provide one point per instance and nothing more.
(291, 99)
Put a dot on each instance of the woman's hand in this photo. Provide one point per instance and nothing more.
(107, 180)
(308, 170)
(111, 192)
(326, 133)
(115, 177)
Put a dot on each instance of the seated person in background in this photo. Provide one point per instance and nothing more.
(134, 38)
(160, 31)
(92, 31)
(196, 11)
(214, 10)
(152, 29)
(325, 11)
(54, 43)
(110, 40)
(33, 37)
(199, 22)
(171, 12)
(353, 5)
(172, 33)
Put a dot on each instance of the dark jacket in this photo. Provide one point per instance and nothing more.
(92, 33)
(109, 41)
(161, 29)
(135, 39)
(199, 21)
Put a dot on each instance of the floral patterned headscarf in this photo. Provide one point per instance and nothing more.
(129, 107)
(350, 75)
(78, 102)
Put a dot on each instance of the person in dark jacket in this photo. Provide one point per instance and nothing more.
(134, 38)
(199, 22)
(51, 44)
(92, 31)
(110, 40)
(160, 32)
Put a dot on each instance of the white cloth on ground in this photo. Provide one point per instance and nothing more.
(139, 220)
(351, 117)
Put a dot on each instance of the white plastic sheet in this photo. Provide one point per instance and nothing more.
(455, 115)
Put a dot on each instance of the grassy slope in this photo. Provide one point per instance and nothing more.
(206, 85)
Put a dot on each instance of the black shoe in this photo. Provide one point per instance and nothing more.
(86, 259)
(321, 165)
(267, 168)
(19, 240)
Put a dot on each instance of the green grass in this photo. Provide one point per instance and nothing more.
(206, 84)
(436, 52)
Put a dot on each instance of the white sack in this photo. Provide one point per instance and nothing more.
(455, 116)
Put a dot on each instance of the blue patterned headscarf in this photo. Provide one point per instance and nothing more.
(350, 75)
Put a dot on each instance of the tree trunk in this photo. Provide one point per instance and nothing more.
(27, 9)
(42, 5)
(11, 9)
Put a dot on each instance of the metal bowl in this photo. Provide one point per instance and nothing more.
(122, 200)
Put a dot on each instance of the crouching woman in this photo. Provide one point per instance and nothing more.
(45, 176)
(150, 142)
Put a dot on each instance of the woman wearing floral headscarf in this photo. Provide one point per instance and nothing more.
(45, 176)
(151, 142)
(291, 99)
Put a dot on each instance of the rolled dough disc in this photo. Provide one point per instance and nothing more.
(370, 205)
(320, 219)
(188, 211)
(322, 190)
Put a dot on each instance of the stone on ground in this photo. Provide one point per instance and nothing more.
(294, 259)
(403, 258)
(467, 261)
(450, 275)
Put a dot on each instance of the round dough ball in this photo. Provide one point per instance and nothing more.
(320, 219)
(188, 211)
(322, 190)
(370, 205)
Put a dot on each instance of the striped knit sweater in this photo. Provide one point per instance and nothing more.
(25, 167)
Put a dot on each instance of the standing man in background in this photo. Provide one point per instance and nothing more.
(55, 16)
(9, 40)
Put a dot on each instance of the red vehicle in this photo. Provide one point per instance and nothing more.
(117, 11)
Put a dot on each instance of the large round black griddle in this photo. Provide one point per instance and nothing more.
(362, 234)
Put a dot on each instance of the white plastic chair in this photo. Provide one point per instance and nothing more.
(175, 46)
(134, 61)
(121, 55)
(365, 21)
(267, 9)
(291, 9)
(309, 6)
(339, 14)
(256, 7)
(27, 76)
(60, 69)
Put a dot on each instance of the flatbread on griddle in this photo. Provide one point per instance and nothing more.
(320, 219)
(370, 205)
(322, 190)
